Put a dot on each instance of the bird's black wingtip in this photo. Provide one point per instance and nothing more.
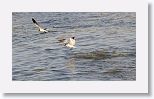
(33, 20)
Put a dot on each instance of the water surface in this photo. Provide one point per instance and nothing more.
(106, 46)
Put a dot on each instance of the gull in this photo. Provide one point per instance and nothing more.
(68, 42)
(44, 30)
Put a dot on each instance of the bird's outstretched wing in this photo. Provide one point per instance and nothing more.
(37, 25)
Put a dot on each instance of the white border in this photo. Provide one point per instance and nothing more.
(138, 86)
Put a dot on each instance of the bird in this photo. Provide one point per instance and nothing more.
(68, 42)
(44, 30)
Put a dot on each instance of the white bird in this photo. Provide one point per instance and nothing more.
(44, 30)
(68, 42)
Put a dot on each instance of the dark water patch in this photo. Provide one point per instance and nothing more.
(96, 55)
(86, 72)
(49, 49)
(63, 26)
(112, 71)
(42, 33)
(74, 27)
(39, 69)
(52, 58)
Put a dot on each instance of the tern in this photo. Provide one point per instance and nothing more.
(44, 30)
(68, 42)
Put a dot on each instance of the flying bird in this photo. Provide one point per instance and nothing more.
(44, 30)
(68, 42)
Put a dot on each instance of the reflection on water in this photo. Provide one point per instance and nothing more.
(105, 41)
(70, 64)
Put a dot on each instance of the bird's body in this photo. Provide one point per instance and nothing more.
(43, 30)
(39, 27)
(70, 43)
(70, 46)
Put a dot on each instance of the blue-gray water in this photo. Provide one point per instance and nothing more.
(106, 46)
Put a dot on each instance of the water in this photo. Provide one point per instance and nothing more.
(106, 46)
